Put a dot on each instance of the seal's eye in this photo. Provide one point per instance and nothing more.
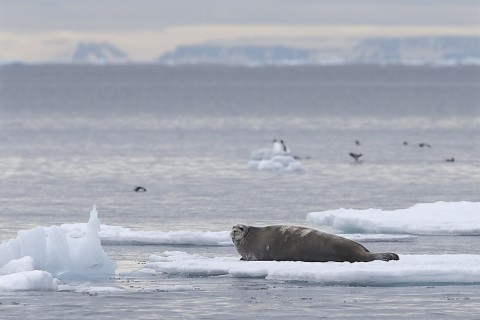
(241, 229)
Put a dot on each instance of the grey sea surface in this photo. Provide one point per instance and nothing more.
(74, 136)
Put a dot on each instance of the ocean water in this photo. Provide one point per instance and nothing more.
(75, 136)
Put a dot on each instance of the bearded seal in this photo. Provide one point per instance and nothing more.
(291, 243)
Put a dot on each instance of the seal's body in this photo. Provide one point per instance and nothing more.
(290, 243)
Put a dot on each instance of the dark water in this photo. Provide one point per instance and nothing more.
(74, 136)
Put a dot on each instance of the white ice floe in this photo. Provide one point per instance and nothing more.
(120, 235)
(91, 289)
(409, 270)
(169, 288)
(439, 218)
(117, 235)
(35, 280)
(362, 237)
(33, 259)
(274, 159)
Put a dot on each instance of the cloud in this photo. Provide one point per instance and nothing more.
(124, 15)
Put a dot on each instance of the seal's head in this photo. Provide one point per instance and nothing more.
(239, 232)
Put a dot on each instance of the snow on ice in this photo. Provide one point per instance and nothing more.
(117, 235)
(277, 158)
(439, 218)
(37, 256)
(409, 270)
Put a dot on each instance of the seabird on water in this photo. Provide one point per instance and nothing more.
(423, 144)
(277, 147)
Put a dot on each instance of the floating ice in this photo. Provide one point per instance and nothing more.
(88, 288)
(169, 288)
(274, 159)
(117, 235)
(35, 280)
(409, 270)
(439, 218)
(120, 235)
(379, 237)
(36, 256)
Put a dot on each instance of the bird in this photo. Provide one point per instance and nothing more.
(355, 156)
(357, 142)
(423, 144)
(277, 147)
(140, 189)
(452, 159)
(405, 143)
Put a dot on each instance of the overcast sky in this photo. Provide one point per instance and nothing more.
(35, 30)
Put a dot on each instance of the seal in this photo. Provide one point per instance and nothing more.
(291, 243)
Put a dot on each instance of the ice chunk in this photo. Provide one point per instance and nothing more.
(49, 249)
(439, 218)
(35, 280)
(121, 235)
(409, 270)
(17, 265)
(274, 159)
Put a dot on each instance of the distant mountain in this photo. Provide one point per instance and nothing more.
(413, 50)
(418, 50)
(243, 55)
(100, 53)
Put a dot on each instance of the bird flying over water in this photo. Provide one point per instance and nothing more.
(355, 156)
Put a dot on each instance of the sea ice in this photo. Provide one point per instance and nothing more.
(439, 218)
(117, 235)
(409, 270)
(36, 256)
(274, 159)
(35, 280)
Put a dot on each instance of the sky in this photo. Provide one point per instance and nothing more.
(49, 30)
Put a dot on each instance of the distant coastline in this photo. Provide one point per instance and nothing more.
(411, 51)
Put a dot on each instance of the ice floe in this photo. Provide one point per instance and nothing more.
(35, 280)
(409, 270)
(117, 235)
(439, 218)
(277, 158)
(37, 256)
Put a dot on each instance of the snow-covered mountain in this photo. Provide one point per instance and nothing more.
(239, 55)
(418, 50)
(413, 50)
(91, 52)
